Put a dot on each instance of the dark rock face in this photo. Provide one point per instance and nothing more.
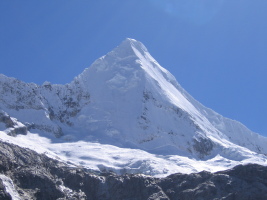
(12, 125)
(35, 176)
(202, 146)
(5, 118)
(242, 182)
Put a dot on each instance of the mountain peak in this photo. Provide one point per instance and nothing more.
(131, 40)
(135, 43)
(129, 47)
(124, 55)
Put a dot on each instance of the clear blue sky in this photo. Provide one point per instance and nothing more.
(217, 49)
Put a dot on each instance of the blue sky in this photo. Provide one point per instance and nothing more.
(217, 49)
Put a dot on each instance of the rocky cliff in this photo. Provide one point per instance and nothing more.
(24, 174)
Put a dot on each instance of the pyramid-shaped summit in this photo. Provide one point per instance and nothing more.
(128, 51)
(126, 99)
(129, 47)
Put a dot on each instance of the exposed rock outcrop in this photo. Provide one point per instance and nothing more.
(11, 125)
(36, 176)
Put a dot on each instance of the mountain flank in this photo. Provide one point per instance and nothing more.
(24, 174)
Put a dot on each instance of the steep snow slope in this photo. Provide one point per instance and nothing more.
(126, 99)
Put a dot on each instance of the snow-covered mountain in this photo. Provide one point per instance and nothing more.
(126, 113)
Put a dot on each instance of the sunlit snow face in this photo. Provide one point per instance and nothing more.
(195, 11)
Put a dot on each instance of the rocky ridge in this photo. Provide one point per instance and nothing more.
(52, 105)
(24, 174)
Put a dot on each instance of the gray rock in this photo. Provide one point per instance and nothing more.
(203, 146)
(35, 176)
(5, 118)
(13, 128)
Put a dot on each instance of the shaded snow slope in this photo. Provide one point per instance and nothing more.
(127, 100)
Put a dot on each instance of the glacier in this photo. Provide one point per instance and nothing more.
(127, 114)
